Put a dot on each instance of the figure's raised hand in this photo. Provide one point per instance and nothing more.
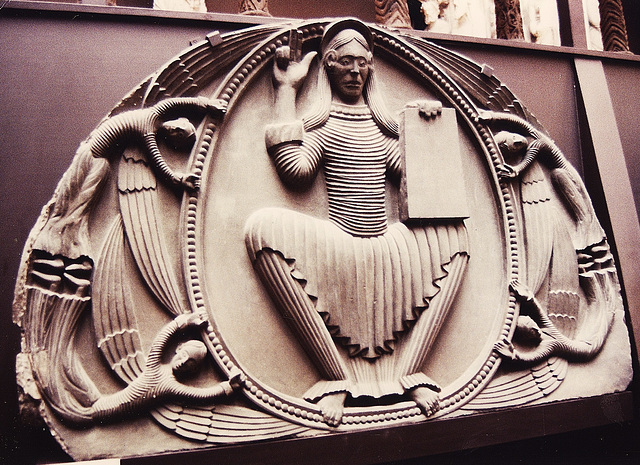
(287, 71)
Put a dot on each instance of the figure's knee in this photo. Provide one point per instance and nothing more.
(258, 230)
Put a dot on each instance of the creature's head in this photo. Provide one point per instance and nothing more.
(179, 133)
(510, 143)
(188, 357)
(527, 331)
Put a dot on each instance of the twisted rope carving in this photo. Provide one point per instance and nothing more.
(614, 28)
(508, 20)
(392, 13)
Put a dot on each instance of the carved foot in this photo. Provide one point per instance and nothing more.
(487, 115)
(506, 350)
(427, 399)
(332, 407)
(217, 108)
(506, 171)
(190, 182)
(522, 291)
(236, 378)
(191, 319)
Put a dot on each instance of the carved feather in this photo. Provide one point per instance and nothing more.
(114, 316)
(477, 80)
(205, 61)
(224, 424)
(519, 388)
(139, 208)
(563, 298)
(538, 215)
(56, 301)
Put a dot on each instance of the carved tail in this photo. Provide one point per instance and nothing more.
(57, 295)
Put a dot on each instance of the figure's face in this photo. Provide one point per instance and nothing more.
(188, 357)
(348, 69)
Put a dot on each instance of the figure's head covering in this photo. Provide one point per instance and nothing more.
(333, 29)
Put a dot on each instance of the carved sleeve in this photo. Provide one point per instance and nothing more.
(296, 155)
(394, 161)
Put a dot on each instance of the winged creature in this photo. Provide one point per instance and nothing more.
(565, 260)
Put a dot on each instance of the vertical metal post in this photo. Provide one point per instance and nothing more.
(574, 32)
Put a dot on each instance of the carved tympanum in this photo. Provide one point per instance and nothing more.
(293, 230)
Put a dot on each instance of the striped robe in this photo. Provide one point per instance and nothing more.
(370, 281)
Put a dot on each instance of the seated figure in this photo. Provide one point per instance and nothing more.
(366, 298)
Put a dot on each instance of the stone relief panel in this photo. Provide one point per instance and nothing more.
(592, 24)
(294, 230)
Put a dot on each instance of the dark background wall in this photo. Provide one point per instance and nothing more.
(62, 72)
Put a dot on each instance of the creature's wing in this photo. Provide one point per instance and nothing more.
(477, 80)
(538, 214)
(518, 388)
(591, 323)
(564, 300)
(203, 63)
(114, 315)
(188, 74)
(573, 193)
(133, 100)
(139, 207)
(223, 424)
